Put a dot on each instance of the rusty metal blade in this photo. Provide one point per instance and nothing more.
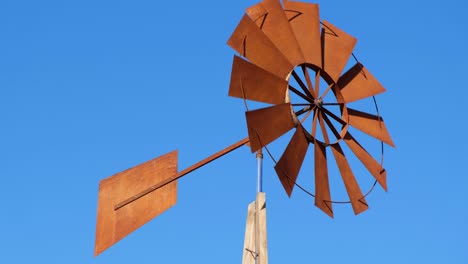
(113, 225)
(289, 165)
(267, 124)
(271, 19)
(249, 40)
(305, 70)
(358, 83)
(251, 82)
(322, 186)
(369, 162)
(337, 47)
(314, 122)
(305, 23)
(317, 83)
(370, 124)
(324, 129)
(358, 201)
(331, 127)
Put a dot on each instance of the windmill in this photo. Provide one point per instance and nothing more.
(296, 63)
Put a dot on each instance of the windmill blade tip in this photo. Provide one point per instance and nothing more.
(383, 182)
(326, 208)
(361, 207)
(98, 250)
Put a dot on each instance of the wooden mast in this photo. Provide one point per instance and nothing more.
(255, 241)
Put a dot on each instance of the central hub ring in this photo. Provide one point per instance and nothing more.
(329, 114)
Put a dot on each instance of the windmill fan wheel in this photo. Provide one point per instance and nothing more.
(286, 53)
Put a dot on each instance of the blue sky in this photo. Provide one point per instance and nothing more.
(90, 88)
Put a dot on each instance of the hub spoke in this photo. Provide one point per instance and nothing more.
(301, 84)
(309, 82)
(303, 110)
(317, 82)
(298, 93)
(326, 91)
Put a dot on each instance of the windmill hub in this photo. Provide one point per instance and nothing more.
(318, 102)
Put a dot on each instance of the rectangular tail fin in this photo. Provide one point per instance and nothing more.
(113, 225)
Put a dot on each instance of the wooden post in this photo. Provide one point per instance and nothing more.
(255, 242)
(250, 253)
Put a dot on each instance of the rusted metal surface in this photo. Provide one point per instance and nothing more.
(251, 82)
(337, 49)
(323, 128)
(314, 123)
(304, 87)
(131, 198)
(175, 177)
(273, 42)
(370, 124)
(370, 163)
(305, 23)
(358, 201)
(267, 124)
(313, 93)
(358, 83)
(271, 19)
(331, 127)
(317, 83)
(322, 186)
(249, 40)
(295, 32)
(112, 225)
(288, 166)
(303, 96)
